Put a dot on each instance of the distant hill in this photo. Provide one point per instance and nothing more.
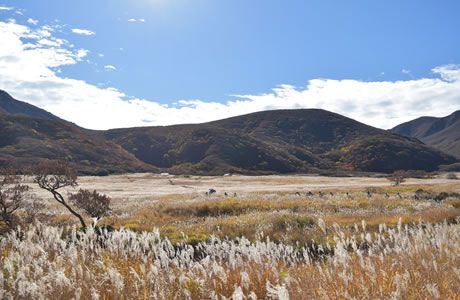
(29, 134)
(281, 141)
(441, 133)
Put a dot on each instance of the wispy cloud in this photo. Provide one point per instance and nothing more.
(408, 73)
(110, 67)
(83, 31)
(29, 71)
(132, 20)
(32, 21)
(6, 8)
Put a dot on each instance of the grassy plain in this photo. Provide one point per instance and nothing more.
(268, 237)
(277, 206)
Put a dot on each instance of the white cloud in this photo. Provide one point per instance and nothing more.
(6, 8)
(83, 31)
(132, 20)
(29, 71)
(110, 67)
(81, 53)
(32, 21)
(50, 43)
(448, 73)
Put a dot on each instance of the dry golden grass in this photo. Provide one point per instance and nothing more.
(413, 262)
(419, 262)
(282, 210)
(283, 217)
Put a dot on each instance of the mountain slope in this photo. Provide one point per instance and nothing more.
(208, 150)
(29, 134)
(282, 141)
(279, 141)
(441, 133)
(13, 107)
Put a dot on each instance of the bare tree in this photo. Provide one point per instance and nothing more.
(94, 204)
(397, 177)
(12, 196)
(52, 175)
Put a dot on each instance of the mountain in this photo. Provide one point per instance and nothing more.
(29, 134)
(281, 141)
(440, 133)
(12, 107)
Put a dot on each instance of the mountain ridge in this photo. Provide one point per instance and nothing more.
(442, 133)
(304, 140)
(267, 142)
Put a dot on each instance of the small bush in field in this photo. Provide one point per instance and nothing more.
(12, 197)
(285, 221)
(452, 176)
(397, 178)
(444, 195)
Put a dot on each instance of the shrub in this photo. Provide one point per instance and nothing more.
(397, 177)
(12, 197)
(441, 196)
(424, 195)
(452, 176)
(286, 221)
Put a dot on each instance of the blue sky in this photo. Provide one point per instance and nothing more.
(210, 50)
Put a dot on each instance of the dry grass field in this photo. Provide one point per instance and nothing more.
(275, 237)
(277, 206)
